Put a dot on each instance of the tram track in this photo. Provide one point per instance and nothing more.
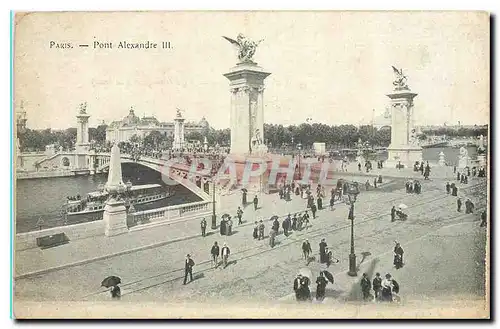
(143, 284)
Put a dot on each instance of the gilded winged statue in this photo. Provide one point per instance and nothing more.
(246, 47)
(400, 81)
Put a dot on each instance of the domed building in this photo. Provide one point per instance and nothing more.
(130, 125)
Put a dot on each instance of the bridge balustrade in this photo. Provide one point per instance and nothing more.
(169, 213)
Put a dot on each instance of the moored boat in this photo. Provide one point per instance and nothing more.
(134, 195)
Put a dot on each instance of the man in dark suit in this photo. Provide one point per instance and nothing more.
(313, 210)
(215, 254)
(239, 213)
(377, 285)
(448, 187)
(459, 204)
(365, 286)
(322, 251)
(393, 213)
(203, 227)
(306, 249)
(188, 268)
(255, 202)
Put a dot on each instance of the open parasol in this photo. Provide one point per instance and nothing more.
(274, 217)
(402, 206)
(226, 216)
(111, 281)
(244, 190)
(328, 276)
(306, 272)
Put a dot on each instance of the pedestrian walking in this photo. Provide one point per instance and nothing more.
(459, 204)
(188, 268)
(256, 231)
(239, 213)
(393, 213)
(319, 201)
(321, 286)
(203, 227)
(375, 182)
(306, 249)
(294, 222)
(285, 226)
(272, 238)
(332, 202)
(398, 256)
(244, 198)
(305, 219)
(366, 286)
(115, 292)
(387, 288)
(448, 187)
(276, 226)
(313, 210)
(377, 285)
(322, 251)
(225, 252)
(359, 166)
(262, 227)
(297, 287)
(255, 202)
(483, 219)
(215, 254)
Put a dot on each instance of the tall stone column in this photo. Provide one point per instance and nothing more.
(82, 130)
(115, 213)
(178, 131)
(404, 148)
(246, 82)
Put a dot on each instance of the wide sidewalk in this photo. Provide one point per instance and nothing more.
(36, 261)
(431, 266)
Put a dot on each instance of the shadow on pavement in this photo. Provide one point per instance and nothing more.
(355, 293)
(198, 276)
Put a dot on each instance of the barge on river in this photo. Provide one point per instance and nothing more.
(96, 201)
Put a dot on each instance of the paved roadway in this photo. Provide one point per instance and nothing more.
(258, 272)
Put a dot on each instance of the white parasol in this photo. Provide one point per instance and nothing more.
(306, 272)
(402, 206)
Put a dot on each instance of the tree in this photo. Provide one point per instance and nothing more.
(153, 139)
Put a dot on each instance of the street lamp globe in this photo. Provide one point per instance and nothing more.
(352, 192)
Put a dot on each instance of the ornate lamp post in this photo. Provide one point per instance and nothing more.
(352, 192)
(299, 146)
(214, 217)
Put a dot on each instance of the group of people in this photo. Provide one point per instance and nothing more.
(215, 252)
(413, 186)
(298, 222)
(398, 214)
(451, 188)
(469, 206)
(424, 170)
(301, 286)
(384, 289)
(474, 171)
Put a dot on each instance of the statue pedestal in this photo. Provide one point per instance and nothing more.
(247, 165)
(247, 105)
(441, 161)
(115, 218)
(403, 148)
(406, 155)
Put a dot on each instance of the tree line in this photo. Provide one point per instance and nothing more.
(275, 136)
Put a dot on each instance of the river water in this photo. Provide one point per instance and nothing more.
(44, 198)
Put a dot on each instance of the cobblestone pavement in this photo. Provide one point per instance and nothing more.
(259, 272)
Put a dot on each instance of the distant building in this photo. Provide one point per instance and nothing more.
(123, 130)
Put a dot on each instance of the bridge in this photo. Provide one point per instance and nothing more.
(89, 163)
(173, 172)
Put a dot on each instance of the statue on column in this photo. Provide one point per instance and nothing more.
(246, 47)
(400, 81)
(83, 108)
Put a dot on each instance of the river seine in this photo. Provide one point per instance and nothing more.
(44, 198)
